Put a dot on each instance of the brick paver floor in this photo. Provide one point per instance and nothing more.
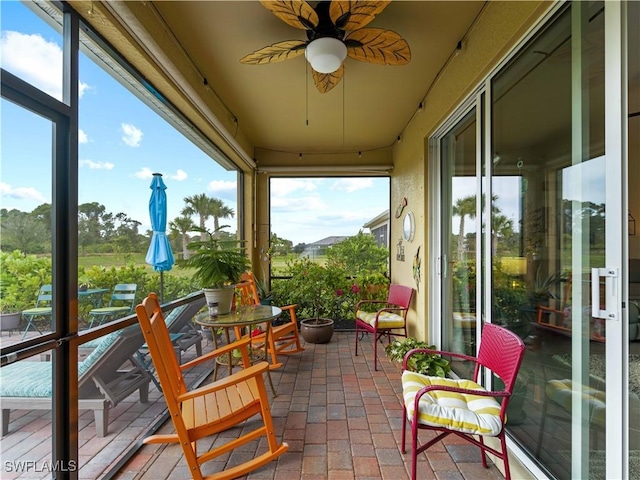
(341, 419)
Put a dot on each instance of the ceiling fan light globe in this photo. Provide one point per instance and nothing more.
(326, 54)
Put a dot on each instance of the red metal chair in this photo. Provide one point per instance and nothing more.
(462, 406)
(388, 320)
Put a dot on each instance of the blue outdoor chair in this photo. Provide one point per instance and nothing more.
(121, 304)
(43, 309)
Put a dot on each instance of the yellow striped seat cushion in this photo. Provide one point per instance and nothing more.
(385, 320)
(466, 413)
(561, 393)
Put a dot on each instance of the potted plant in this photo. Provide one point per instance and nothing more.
(323, 294)
(262, 285)
(425, 363)
(218, 262)
(10, 313)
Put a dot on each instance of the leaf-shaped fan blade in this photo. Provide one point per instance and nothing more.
(297, 13)
(275, 53)
(376, 45)
(354, 15)
(326, 81)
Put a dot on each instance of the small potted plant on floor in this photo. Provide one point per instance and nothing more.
(425, 363)
(219, 261)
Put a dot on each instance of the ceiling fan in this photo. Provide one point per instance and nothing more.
(334, 30)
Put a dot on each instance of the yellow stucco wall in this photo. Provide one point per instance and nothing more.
(500, 26)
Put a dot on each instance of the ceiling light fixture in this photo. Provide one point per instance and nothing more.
(326, 54)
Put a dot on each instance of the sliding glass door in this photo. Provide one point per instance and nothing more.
(550, 216)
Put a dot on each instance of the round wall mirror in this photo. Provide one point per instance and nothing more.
(408, 226)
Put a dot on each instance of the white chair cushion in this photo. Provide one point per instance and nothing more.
(561, 392)
(385, 320)
(473, 414)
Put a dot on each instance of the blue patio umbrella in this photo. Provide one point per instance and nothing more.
(159, 254)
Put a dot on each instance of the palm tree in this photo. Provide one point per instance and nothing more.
(202, 206)
(502, 229)
(219, 210)
(463, 207)
(182, 226)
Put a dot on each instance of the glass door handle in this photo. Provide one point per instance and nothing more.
(610, 276)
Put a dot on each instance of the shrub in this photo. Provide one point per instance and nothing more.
(319, 291)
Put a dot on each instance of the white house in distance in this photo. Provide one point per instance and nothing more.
(379, 228)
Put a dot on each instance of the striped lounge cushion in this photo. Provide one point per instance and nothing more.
(466, 413)
(385, 320)
(561, 392)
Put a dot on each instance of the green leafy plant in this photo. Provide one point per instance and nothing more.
(425, 363)
(217, 262)
(373, 286)
(10, 304)
(318, 290)
(542, 288)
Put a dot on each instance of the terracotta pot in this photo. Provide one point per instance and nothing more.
(316, 330)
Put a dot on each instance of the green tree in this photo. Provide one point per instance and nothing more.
(464, 207)
(280, 246)
(359, 255)
(43, 213)
(299, 248)
(127, 228)
(219, 210)
(24, 232)
(90, 224)
(502, 232)
(202, 206)
(181, 226)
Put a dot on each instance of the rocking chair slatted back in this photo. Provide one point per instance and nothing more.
(211, 408)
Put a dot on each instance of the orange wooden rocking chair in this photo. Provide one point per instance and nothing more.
(211, 408)
(283, 339)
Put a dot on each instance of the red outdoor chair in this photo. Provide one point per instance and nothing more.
(462, 406)
(388, 320)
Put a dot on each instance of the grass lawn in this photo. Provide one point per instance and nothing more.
(121, 260)
(278, 264)
(112, 260)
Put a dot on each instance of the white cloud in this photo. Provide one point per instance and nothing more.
(281, 187)
(313, 204)
(21, 193)
(220, 186)
(144, 173)
(179, 176)
(82, 137)
(131, 135)
(352, 184)
(97, 165)
(35, 60)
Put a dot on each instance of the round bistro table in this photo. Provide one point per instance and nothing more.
(242, 317)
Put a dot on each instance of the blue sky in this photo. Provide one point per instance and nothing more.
(122, 142)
